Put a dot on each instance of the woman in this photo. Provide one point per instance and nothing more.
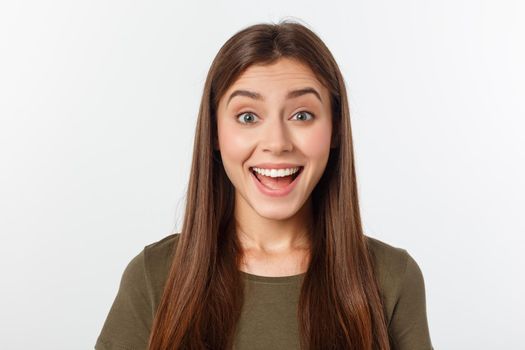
(272, 253)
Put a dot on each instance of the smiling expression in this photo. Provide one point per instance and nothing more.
(274, 114)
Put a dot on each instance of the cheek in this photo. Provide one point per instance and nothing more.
(316, 144)
(234, 146)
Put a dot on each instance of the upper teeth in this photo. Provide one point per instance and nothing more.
(276, 172)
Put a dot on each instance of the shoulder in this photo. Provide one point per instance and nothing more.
(395, 269)
(129, 320)
(157, 262)
(389, 261)
(162, 250)
(403, 290)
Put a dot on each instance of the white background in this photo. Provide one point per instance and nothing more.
(98, 103)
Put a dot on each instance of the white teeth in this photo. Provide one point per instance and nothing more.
(276, 172)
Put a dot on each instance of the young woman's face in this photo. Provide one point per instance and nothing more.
(275, 116)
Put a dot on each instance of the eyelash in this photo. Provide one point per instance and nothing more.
(240, 114)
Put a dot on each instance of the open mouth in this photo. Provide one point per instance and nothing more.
(276, 182)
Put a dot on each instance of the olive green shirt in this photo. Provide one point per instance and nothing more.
(268, 318)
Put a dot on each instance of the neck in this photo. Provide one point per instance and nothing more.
(269, 236)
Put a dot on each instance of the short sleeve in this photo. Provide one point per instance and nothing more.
(408, 327)
(128, 323)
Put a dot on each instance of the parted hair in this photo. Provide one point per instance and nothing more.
(340, 304)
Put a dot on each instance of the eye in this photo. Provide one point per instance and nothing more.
(304, 113)
(246, 117)
(249, 117)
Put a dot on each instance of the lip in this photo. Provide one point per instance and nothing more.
(276, 165)
(276, 193)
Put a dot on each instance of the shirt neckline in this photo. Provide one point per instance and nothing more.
(273, 279)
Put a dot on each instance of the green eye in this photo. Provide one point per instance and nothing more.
(244, 118)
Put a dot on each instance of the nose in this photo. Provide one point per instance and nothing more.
(276, 137)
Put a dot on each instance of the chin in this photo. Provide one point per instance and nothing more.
(276, 212)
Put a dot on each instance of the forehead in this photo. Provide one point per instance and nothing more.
(282, 69)
(285, 73)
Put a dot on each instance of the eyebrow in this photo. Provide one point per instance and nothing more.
(291, 94)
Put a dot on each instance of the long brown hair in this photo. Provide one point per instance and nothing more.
(340, 305)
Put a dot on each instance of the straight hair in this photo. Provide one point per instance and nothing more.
(340, 304)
